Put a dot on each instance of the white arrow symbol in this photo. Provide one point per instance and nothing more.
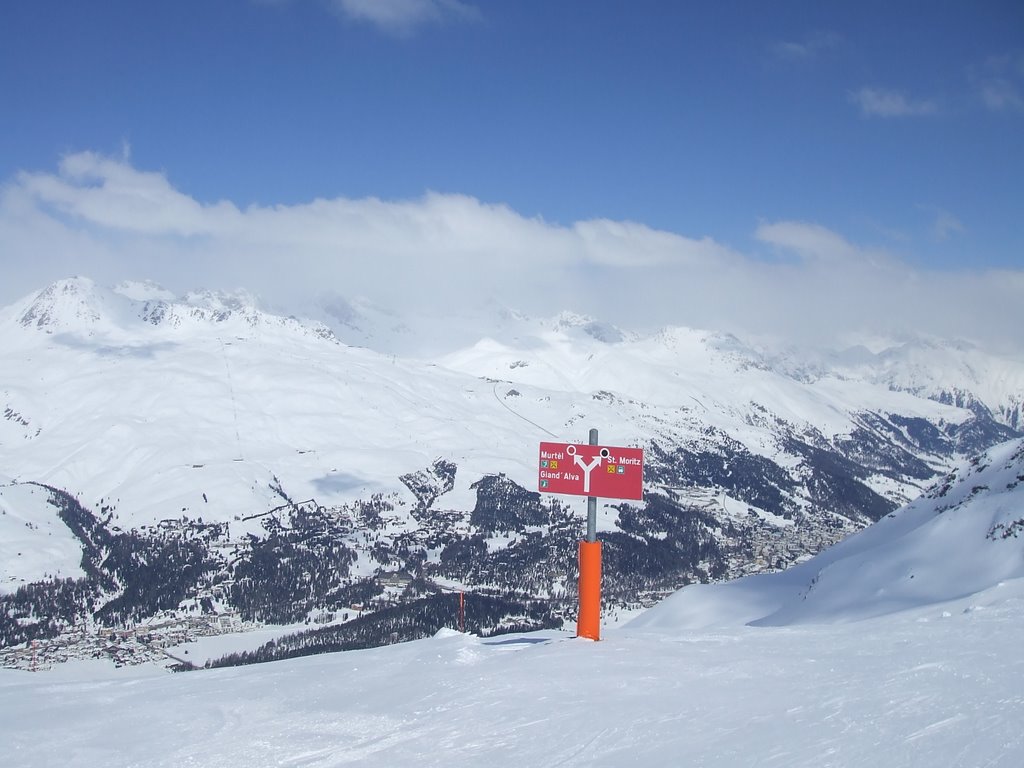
(587, 468)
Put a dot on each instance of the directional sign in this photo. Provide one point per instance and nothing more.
(591, 470)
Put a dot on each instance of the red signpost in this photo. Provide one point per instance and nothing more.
(591, 470)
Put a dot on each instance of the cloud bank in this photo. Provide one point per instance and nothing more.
(102, 217)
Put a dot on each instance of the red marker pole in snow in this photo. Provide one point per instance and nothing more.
(591, 470)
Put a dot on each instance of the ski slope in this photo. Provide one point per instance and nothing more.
(942, 685)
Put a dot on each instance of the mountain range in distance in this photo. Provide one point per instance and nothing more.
(248, 438)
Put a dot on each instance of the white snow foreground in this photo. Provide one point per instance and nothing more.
(850, 662)
(942, 685)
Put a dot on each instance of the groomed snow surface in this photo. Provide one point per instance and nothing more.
(938, 686)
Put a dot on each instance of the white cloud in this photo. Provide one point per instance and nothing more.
(999, 94)
(807, 240)
(999, 82)
(628, 244)
(402, 17)
(104, 218)
(109, 193)
(946, 224)
(884, 102)
(809, 48)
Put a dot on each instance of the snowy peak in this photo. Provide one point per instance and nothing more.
(237, 313)
(699, 348)
(955, 373)
(143, 290)
(224, 302)
(596, 329)
(79, 307)
(74, 304)
(207, 307)
(361, 322)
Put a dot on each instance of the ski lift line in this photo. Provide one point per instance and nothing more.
(494, 391)
(231, 391)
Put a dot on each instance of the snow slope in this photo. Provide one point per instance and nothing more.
(940, 685)
(34, 542)
(965, 535)
(201, 406)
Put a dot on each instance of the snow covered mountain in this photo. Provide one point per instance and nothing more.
(204, 457)
(949, 372)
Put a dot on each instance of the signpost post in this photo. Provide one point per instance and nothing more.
(591, 470)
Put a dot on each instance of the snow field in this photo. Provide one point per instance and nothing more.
(942, 685)
(34, 542)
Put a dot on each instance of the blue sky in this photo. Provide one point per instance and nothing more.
(891, 131)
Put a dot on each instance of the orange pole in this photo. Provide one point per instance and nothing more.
(588, 624)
